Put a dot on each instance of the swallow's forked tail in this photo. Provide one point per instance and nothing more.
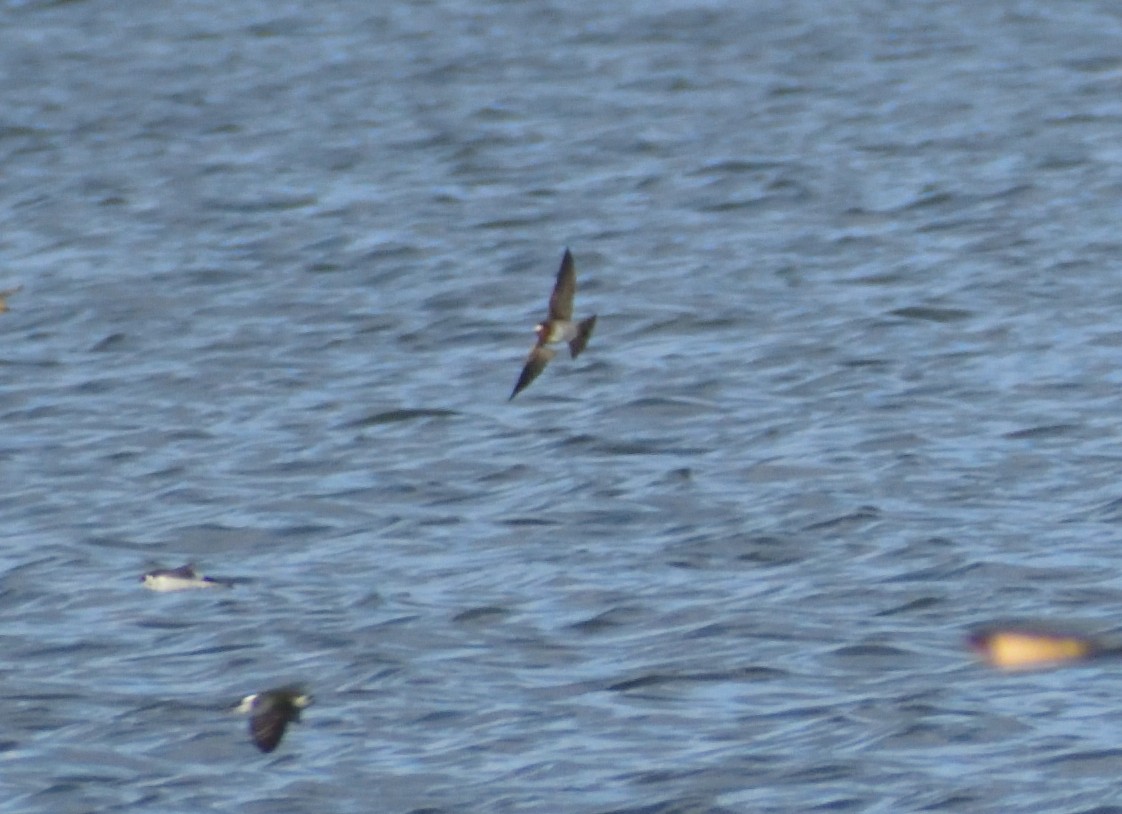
(584, 331)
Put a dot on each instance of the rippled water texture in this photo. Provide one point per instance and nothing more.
(854, 388)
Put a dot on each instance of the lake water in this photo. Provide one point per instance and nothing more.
(854, 388)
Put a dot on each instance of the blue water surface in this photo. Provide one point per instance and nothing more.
(854, 388)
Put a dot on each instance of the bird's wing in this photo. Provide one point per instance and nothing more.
(539, 357)
(561, 300)
(267, 728)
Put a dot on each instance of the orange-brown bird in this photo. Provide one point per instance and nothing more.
(1026, 646)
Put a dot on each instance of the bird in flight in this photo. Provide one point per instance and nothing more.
(270, 712)
(183, 578)
(557, 327)
(1026, 646)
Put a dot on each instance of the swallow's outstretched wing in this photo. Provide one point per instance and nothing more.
(535, 363)
(561, 300)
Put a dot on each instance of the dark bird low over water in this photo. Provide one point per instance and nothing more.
(557, 327)
(270, 712)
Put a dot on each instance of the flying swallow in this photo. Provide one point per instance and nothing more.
(1023, 646)
(270, 712)
(557, 327)
(183, 578)
(7, 292)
